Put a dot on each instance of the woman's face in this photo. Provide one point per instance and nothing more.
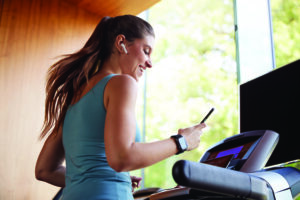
(137, 60)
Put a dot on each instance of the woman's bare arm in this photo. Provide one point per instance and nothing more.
(49, 166)
(123, 153)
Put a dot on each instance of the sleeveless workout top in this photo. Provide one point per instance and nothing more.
(88, 175)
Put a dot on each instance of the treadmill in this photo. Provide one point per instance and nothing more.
(233, 169)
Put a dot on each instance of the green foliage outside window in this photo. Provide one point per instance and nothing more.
(286, 26)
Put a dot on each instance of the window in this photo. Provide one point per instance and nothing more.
(194, 69)
(286, 26)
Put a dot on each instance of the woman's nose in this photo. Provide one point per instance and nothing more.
(148, 63)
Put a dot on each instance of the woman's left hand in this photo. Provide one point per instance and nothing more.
(135, 182)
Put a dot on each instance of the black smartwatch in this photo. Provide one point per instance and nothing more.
(180, 143)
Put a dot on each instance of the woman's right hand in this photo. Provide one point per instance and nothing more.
(192, 135)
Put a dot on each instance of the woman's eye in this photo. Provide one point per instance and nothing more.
(147, 51)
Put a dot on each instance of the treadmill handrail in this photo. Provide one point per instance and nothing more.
(210, 178)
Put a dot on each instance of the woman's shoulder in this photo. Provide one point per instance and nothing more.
(122, 82)
(121, 87)
(124, 78)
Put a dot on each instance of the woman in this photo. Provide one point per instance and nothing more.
(90, 115)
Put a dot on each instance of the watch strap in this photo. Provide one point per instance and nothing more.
(178, 141)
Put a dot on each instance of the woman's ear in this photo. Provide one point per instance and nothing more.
(120, 44)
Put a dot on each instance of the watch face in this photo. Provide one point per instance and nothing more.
(182, 143)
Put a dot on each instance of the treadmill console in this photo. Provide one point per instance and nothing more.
(246, 152)
(233, 169)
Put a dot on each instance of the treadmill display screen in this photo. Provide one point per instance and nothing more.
(234, 151)
(223, 157)
(220, 162)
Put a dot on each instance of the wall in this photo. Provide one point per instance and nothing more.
(32, 34)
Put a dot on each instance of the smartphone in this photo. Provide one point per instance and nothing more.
(208, 114)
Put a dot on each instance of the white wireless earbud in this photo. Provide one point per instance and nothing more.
(124, 48)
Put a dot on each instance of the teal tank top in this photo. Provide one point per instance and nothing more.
(88, 175)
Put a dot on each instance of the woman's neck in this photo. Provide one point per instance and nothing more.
(111, 65)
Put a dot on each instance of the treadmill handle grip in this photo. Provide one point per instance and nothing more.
(219, 180)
